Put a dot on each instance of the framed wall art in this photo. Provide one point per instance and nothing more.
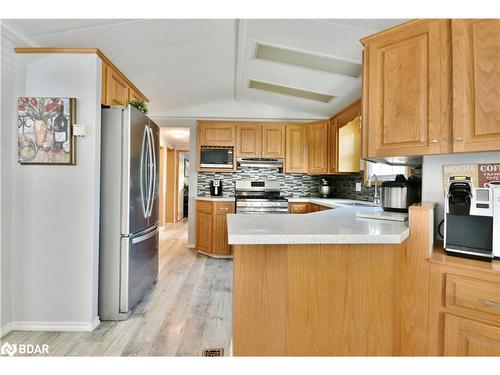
(45, 130)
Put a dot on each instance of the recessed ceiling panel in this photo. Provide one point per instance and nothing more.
(291, 91)
(307, 60)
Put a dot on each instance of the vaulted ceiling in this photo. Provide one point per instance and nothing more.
(201, 68)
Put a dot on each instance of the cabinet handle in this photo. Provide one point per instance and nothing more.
(492, 303)
(433, 141)
(458, 139)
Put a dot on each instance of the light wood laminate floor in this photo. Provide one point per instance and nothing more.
(187, 311)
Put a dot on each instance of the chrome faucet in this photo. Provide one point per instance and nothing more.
(376, 196)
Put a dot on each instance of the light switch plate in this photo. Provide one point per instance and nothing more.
(80, 130)
(358, 186)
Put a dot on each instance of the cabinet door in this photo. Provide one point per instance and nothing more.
(216, 133)
(273, 141)
(318, 147)
(408, 86)
(116, 89)
(332, 145)
(248, 140)
(465, 337)
(296, 149)
(298, 208)
(221, 246)
(204, 232)
(476, 85)
(349, 143)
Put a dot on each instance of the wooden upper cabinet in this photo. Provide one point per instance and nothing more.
(465, 337)
(407, 83)
(296, 149)
(116, 88)
(345, 140)
(216, 133)
(317, 134)
(248, 140)
(273, 141)
(134, 95)
(476, 85)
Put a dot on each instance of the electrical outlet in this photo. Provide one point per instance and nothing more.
(358, 186)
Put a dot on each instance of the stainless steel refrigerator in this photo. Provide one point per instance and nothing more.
(128, 258)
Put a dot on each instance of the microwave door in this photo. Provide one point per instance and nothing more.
(216, 158)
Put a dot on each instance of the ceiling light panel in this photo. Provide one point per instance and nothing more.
(290, 91)
(307, 60)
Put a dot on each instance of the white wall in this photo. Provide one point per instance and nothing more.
(12, 84)
(54, 212)
(432, 175)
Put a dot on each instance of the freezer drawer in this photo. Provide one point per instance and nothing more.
(139, 267)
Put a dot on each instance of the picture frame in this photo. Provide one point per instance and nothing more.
(45, 131)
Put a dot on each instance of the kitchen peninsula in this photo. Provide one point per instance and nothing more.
(328, 282)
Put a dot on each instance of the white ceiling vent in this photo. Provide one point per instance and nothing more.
(291, 91)
(307, 60)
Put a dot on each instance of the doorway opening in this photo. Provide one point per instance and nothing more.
(174, 176)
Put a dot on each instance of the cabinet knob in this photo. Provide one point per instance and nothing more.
(458, 139)
(433, 141)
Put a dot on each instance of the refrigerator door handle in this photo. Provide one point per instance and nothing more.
(141, 172)
(153, 172)
(146, 236)
(150, 171)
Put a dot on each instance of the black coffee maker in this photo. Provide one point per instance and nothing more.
(215, 188)
(466, 234)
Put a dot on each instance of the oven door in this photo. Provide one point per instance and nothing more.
(261, 206)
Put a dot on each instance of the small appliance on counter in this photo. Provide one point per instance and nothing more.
(470, 216)
(325, 188)
(401, 193)
(216, 188)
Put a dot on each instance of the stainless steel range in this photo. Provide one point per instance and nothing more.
(260, 197)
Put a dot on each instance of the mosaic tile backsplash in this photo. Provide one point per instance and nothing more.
(345, 187)
(292, 185)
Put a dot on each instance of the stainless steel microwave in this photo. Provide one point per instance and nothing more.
(217, 157)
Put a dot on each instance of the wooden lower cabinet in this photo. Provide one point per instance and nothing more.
(464, 306)
(466, 337)
(306, 207)
(298, 208)
(204, 232)
(211, 227)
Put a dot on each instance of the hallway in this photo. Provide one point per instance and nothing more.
(189, 310)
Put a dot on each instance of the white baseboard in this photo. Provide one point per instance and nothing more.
(6, 329)
(51, 326)
(191, 245)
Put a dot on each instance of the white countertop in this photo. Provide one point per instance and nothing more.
(339, 225)
(218, 199)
